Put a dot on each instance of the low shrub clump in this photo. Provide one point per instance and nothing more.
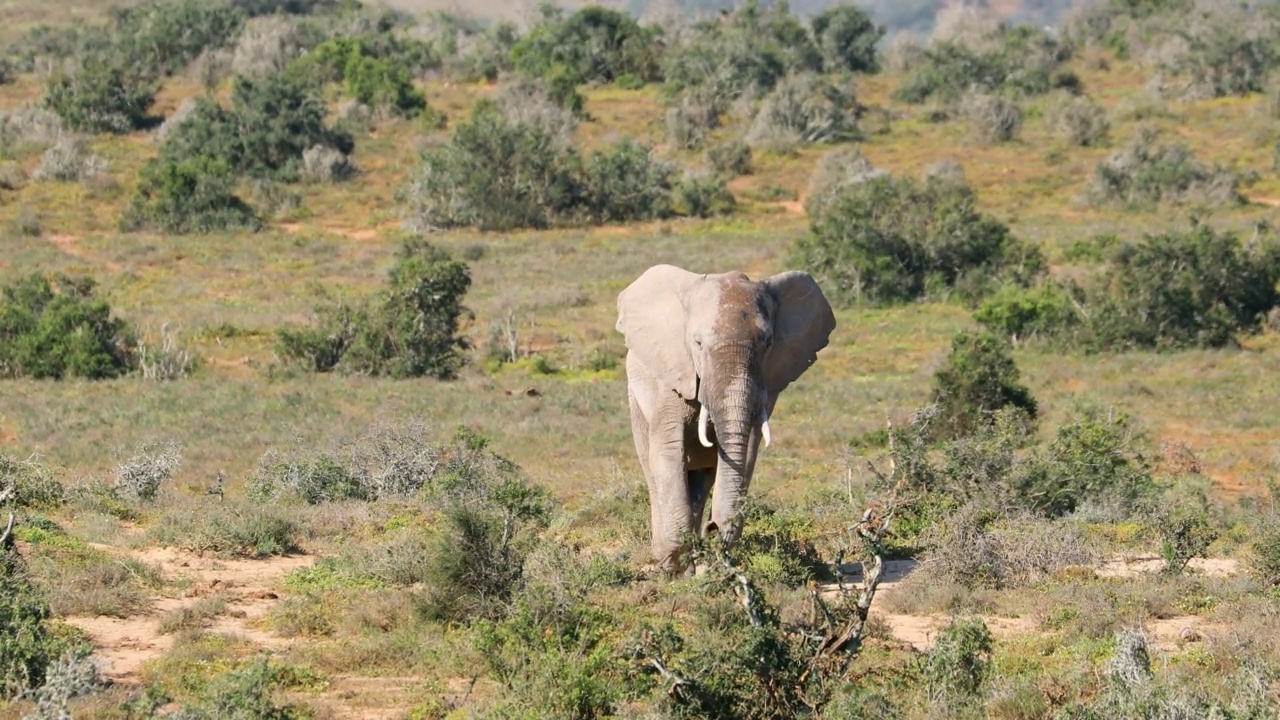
(881, 239)
(101, 95)
(992, 118)
(1021, 60)
(29, 645)
(272, 122)
(847, 38)
(1144, 173)
(57, 328)
(510, 165)
(593, 45)
(409, 330)
(1079, 120)
(805, 109)
(979, 379)
(370, 77)
(195, 195)
(1180, 289)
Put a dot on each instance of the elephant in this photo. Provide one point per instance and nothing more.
(707, 357)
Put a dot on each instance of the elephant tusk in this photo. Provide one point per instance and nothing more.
(702, 426)
(764, 432)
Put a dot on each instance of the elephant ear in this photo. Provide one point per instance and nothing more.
(801, 327)
(652, 317)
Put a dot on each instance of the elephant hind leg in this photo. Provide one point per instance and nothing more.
(700, 482)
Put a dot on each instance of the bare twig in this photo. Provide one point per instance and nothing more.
(4, 537)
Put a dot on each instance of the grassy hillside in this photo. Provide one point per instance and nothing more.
(345, 639)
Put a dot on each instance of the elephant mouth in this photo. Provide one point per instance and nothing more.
(704, 419)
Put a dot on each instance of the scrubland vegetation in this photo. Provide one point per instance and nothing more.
(311, 403)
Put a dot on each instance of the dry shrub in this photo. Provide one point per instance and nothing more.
(805, 108)
(185, 110)
(353, 115)
(211, 67)
(139, 476)
(323, 164)
(692, 117)
(835, 169)
(69, 160)
(1147, 173)
(992, 119)
(225, 528)
(530, 102)
(1079, 120)
(29, 125)
(902, 53)
(267, 45)
(165, 360)
(966, 25)
(980, 548)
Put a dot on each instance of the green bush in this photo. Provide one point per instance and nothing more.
(745, 53)
(1020, 60)
(493, 174)
(776, 546)
(29, 647)
(885, 240)
(593, 45)
(554, 652)
(959, 663)
(979, 378)
(277, 119)
(703, 196)
(1264, 558)
(1023, 314)
(626, 183)
(730, 159)
(1093, 462)
(847, 39)
(273, 122)
(163, 37)
(1179, 289)
(1144, 173)
(56, 328)
(101, 95)
(193, 195)
(491, 519)
(1185, 534)
(371, 78)
(33, 484)
(410, 330)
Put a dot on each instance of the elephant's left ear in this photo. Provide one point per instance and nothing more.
(801, 328)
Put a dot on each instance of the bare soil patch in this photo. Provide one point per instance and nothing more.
(248, 587)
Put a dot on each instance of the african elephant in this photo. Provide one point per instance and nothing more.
(707, 356)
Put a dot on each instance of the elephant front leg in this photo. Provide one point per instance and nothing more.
(669, 504)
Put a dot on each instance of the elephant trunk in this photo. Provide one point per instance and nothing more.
(736, 411)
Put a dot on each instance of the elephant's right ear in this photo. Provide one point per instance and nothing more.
(652, 317)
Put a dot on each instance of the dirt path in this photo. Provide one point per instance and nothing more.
(247, 587)
(1166, 634)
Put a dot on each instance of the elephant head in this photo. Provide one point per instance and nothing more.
(729, 345)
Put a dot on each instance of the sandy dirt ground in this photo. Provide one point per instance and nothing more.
(251, 588)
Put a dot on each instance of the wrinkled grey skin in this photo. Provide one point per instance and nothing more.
(707, 356)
